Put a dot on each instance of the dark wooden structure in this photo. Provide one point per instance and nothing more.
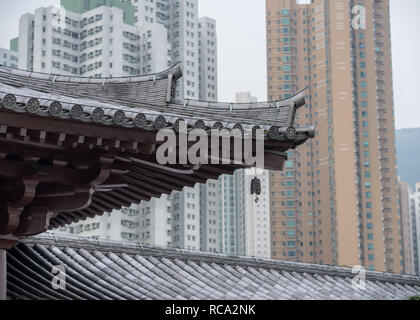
(73, 148)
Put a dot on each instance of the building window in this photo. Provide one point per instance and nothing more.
(291, 224)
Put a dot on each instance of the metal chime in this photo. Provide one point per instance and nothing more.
(256, 188)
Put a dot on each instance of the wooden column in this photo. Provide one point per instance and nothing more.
(3, 275)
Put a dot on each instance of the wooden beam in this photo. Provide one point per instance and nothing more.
(9, 218)
(133, 187)
(99, 205)
(123, 197)
(50, 190)
(81, 199)
(157, 182)
(108, 199)
(179, 181)
(136, 195)
(35, 220)
(148, 185)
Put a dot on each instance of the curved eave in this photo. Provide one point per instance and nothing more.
(90, 111)
(297, 100)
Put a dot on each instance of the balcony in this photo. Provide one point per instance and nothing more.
(379, 34)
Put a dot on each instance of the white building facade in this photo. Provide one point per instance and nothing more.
(156, 221)
(257, 216)
(186, 219)
(121, 225)
(100, 42)
(180, 19)
(8, 58)
(256, 208)
(207, 51)
(210, 216)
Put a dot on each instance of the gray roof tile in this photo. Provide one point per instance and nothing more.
(127, 271)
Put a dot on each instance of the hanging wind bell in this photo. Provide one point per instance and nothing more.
(256, 188)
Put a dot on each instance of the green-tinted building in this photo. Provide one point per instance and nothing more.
(14, 44)
(82, 6)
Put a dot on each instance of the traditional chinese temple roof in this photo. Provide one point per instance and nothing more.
(73, 148)
(137, 101)
(111, 270)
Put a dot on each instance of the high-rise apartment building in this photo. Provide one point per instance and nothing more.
(156, 221)
(186, 218)
(336, 201)
(406, 229)
(231, 214)
(210, 216)
(91, 39)
(207, 59)
(180, 18)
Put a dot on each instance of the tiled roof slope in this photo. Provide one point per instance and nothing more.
(108, 270)
(138, 100)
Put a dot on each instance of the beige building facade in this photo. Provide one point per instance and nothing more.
(336, 201)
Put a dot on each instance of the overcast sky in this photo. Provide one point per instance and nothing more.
(242, 47)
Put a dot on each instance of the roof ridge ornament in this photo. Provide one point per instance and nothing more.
(231, 107)
(54, 79)
(186, 102)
